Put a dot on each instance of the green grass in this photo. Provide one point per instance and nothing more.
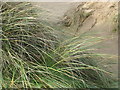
(35, 57)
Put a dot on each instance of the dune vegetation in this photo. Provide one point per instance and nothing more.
(34, 56)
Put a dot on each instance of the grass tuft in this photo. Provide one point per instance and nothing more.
(34, 57)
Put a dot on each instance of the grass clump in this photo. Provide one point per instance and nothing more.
(33, 56)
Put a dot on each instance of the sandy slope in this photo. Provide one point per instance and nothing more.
(54, 10)
(101, 19)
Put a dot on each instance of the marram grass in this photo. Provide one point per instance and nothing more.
(34, 57)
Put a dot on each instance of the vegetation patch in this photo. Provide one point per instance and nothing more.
(35, 57)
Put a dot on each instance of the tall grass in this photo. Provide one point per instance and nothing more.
(33, 56)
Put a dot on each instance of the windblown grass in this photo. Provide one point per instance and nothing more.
(32, 61)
